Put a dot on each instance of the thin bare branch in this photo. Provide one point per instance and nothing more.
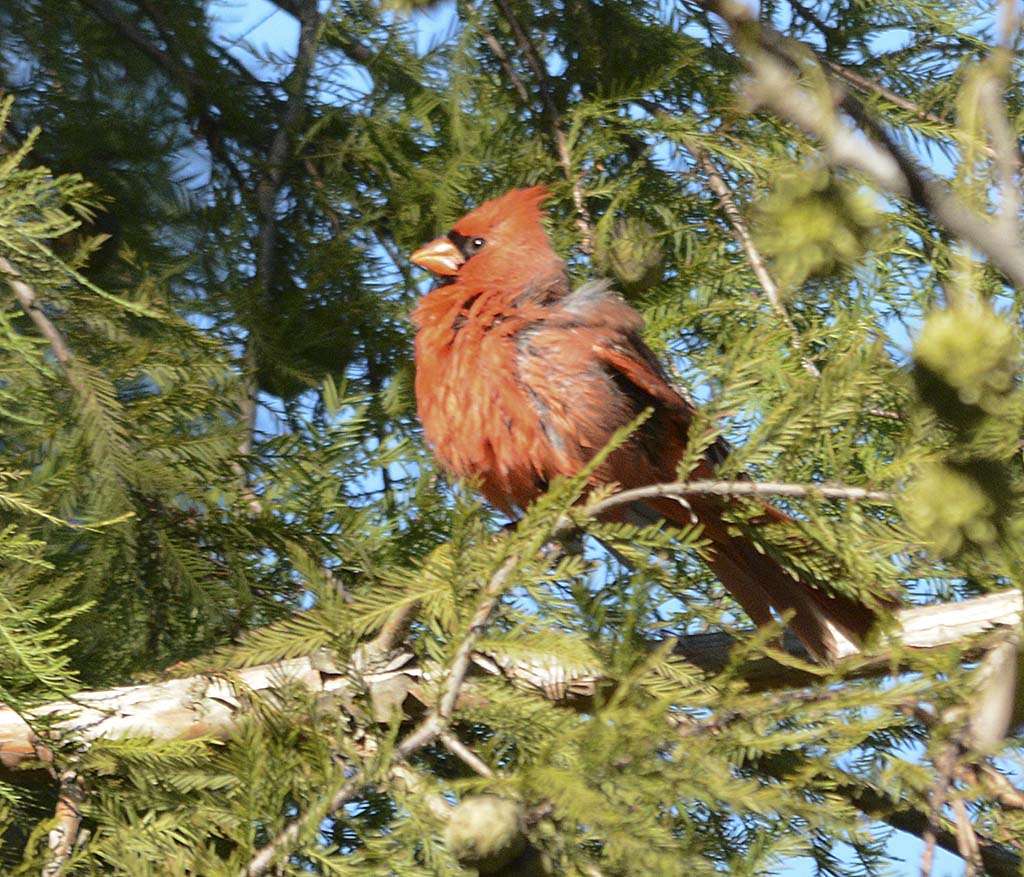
(29, 303)
(997, 859)
(1006, 151)
(461, 751)
(187, 78)
(536, 64)
(506, 63)
(967, 841)
(268, 192)
(683, 489)
(870, 86)
(489, 598)
(754, 258)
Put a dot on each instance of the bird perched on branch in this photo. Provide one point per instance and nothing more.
(520, 379)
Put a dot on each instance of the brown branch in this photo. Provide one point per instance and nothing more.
(997, 860)
(870, 86)
(506, 64)
(536, 64)
(29, 303)
(859, 81)
(739, 226)
(190, 81)
(269, 187)
(268, 191)
(1005, 149)
(64, 836)
(757, 263)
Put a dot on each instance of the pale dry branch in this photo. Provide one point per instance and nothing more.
(29, 303)
(210, 705)
(756, 261)
(997, 859)
(461, 751)
(774, 84)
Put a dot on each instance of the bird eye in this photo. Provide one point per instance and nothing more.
(477, 243)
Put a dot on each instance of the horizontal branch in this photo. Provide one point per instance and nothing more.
(683, 489)
(210, 705)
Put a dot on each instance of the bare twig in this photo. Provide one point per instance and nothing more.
(682, 489)
(945, 767)
(29, 303)
(536, 63)
(64, 836)
(489, 598)
(870, 86)
(506, 63)
(268, 191)
(996, 785)
(967, 841)
(187, 78)
(754, 258)
(461, 751)
(997, 859)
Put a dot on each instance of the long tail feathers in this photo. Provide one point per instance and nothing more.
(830, 626)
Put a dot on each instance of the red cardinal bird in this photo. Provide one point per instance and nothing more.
(520, 380)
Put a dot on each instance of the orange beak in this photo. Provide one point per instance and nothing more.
(440, 256)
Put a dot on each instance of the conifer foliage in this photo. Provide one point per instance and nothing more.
(246, 626)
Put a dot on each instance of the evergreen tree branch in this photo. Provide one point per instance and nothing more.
(870, 86)
(461, 751)
(268, 192)
(754, 258)
(187, 78)
(865, 84)
(506, 64)
(191, 83)
(742, 234)
(998, 861)
(683, 489)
